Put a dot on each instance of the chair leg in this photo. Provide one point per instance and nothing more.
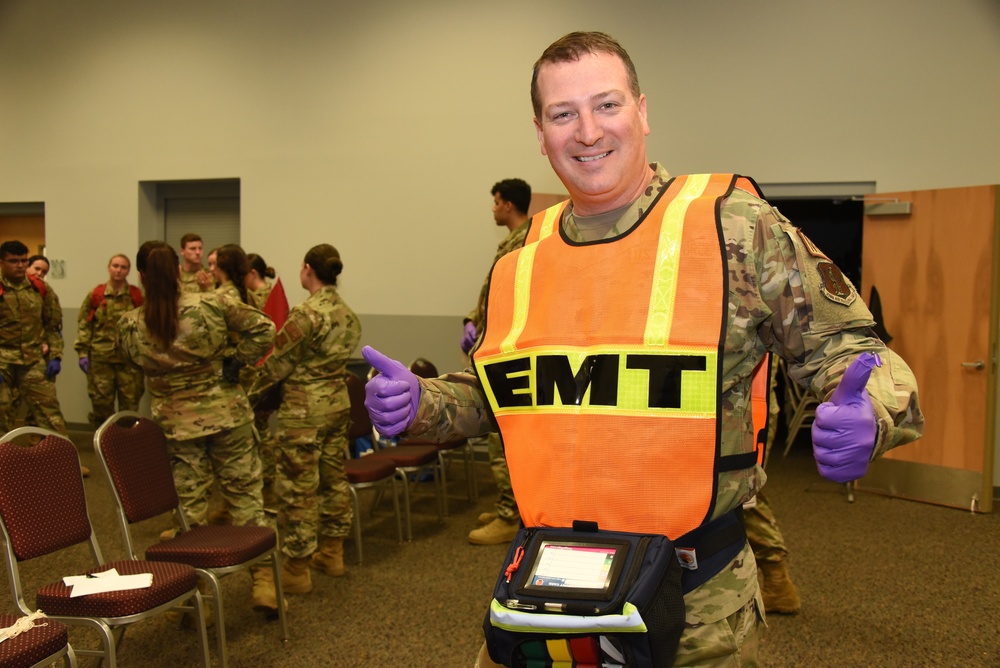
(69, 658)
(355, 504)
(220, 616)
(199, 615)
(444, 484)
(279, 589)
(406, 502)
(395, 508)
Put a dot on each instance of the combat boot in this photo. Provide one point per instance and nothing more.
(485, 518)
(295, 576)
(777, 589)
(263, 596)
(330, 557)
(495, 533)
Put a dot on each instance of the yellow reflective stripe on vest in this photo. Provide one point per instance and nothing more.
(522, 278)
(662, 298)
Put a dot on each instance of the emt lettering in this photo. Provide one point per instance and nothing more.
(538, 381)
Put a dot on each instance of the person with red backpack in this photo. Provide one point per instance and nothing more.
(108, 377)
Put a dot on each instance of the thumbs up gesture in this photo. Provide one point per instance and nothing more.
(844, 431)
(392, 396)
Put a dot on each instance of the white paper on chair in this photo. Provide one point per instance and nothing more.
(109, 580)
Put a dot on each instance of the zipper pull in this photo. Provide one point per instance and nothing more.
(518, 555)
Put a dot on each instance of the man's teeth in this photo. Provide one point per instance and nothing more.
(593, 157)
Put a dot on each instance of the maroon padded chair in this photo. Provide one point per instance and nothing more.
(366, 472)
(43, 509)
(133, 450)
(42, 645)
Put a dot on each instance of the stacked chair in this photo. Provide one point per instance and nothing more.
(133, 450)
(43, 509)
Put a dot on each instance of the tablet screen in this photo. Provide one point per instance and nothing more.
(573, 569)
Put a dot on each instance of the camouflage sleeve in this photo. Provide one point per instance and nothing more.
(452, 406)
(289, 348)
(52, 321)
(256, 328)
(819, 324)
(84, 332)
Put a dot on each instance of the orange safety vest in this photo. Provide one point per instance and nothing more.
(601, 363)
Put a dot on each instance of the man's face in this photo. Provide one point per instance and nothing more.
(192, 253)
(593, 131)
(14, 267)
(118, 269)
(38, 269)
(501, 209)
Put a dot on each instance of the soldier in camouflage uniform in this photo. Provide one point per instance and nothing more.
(177, 339)
(108, 377)
(259, 287)
(310, 356)
(783, 295)
(194, 278)
(31, 342)
(511, 198)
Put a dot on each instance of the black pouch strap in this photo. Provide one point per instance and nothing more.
(715, 544)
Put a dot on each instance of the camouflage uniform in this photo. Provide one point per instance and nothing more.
(310, 356)
(27, 320)
(189, 281)
(778, 301)
(208, 421)
(506, 505)
(262, 419)
(109, 376)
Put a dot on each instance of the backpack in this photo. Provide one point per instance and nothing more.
(97, 299)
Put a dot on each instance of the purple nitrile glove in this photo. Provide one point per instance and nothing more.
(52, 369)
(844, 431)
(85, 365)
(392, 396)
(469, 337)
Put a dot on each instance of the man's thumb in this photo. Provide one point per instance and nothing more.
(381, 363)
(852, 385)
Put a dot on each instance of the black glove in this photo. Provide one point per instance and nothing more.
(231, 370)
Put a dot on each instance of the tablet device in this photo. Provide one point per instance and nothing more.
(574, 569)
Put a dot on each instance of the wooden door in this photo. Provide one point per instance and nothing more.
(936, 274)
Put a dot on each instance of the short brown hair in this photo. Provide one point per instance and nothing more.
(571, 47)
(188, 238)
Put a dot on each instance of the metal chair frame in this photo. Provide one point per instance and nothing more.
(110, 629)
(208, 575)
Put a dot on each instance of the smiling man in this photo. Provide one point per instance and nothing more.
(621, 360)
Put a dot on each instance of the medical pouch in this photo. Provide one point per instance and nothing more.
(588, 598)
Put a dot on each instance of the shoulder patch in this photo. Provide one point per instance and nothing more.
(292, 329)
(281, 339)
(835, 287)
(811, 248)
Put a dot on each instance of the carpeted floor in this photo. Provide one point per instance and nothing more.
(884, 582)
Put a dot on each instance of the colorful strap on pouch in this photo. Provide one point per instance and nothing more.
(562, 653)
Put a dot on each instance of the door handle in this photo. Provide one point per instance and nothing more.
(978, 365)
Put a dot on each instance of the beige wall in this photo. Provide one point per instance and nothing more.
(380, 127)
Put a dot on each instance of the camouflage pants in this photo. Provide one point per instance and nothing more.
(762, 531)
(229, 457)
(506, 505)
(108, 381)
(728, 643)
(311, 484)
(36, 390)
(262, 422)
